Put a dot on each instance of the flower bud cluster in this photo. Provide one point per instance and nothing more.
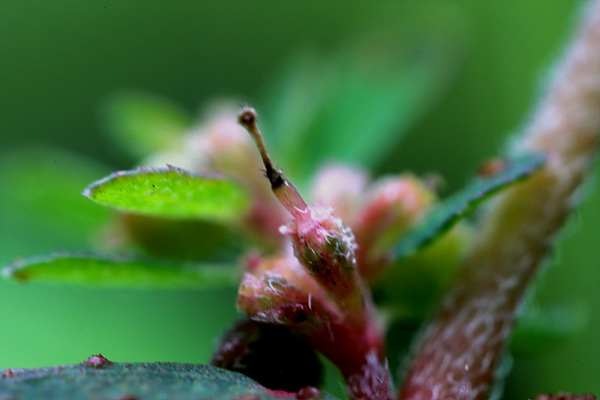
(378, 213)
(315, 286)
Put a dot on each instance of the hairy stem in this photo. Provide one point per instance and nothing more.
(459, 354)
(357, 349)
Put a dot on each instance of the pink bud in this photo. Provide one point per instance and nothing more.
(391, 206)
(280, 291)
(326, 248)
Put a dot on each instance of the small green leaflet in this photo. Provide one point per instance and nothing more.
(101, 379)
(171, 193)
(449, 212)
(119, 272)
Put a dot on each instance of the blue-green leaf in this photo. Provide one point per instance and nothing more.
(101, 379)
(119, 272)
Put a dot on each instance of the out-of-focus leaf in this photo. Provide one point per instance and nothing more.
(354, 105)
(171, 193)
(412, 285)
(142, 123)
(175, 239)
(119, 271)
(541, 329)
(41, 203)
(104, 380)
(447, 213)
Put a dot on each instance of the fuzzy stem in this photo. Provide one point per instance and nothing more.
(357, 349)
(459, 354)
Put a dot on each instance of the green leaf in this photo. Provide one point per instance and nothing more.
(171, 193)
(356, 104)
(449, 212)
(41, 203)
(144, 123)
(119, 271)
(104, 380)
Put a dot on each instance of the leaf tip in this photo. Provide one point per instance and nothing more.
(87, 192)
(13, 272)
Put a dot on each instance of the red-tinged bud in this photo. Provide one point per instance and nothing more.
(390, 208)
(284, 296)
(326, 248)
(286, 266)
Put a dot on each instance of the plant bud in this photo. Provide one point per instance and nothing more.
(326, 248)
(392, 206)
(291, 297)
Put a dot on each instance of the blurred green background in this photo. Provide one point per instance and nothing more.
(59, 60)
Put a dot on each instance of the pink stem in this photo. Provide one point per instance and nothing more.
(357, 349)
